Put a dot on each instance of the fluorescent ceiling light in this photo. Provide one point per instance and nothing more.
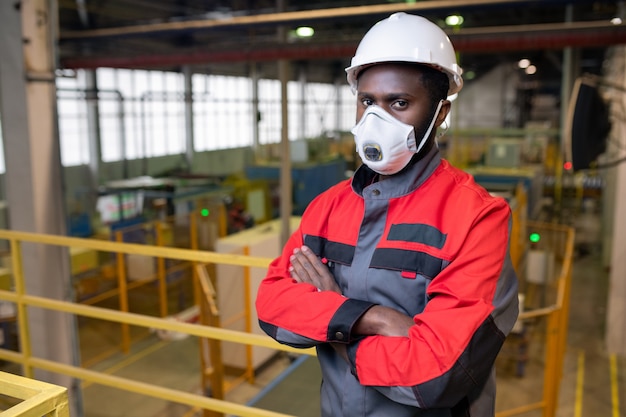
(304, 32)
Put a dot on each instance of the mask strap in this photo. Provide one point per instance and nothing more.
(444, 129)
(430, 128)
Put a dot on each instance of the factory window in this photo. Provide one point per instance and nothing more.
(346, 117)
(323, 109)
(151, 121)
(72, 119)
(299, 111)
(317, 111)
(269, 116)
(142, 113)
(222, 110)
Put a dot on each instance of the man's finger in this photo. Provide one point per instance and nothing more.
(301, 268)
(319, 266)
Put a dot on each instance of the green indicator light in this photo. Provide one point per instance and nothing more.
(535, 237)
(204, 212)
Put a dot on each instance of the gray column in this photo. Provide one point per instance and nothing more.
(616, 190)
(34, 175)
(93, 125)
(302, 81)
(254, 76)
(286, 192)
(189, 130)
(339, 82)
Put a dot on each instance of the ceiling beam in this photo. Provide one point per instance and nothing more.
(477, 40)
(278, 18)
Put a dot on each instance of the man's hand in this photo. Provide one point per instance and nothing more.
(307, 267)
(384, 321)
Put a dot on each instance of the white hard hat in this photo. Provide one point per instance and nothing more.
(404, 37)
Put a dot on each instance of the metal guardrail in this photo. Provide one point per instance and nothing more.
(39, 398)
(556, 329)
(22, 300)
(560, 240)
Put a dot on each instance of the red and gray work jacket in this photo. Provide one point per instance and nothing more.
(428, 242)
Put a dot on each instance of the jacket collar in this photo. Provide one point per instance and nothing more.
(404, 182)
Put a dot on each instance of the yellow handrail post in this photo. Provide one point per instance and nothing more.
(22, 312)
(247, 290)
(223, 221)
(123, 291)
(194, 223)
(567, 285)
(163, 307)
(563, 301)
(550, 391)
(209, 315)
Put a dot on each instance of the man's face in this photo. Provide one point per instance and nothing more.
(398, 89)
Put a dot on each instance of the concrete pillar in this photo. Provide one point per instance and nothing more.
(616, 305)
(302, 82)
(254, 76)
(93, 124)
(189, 129)
(616, 311)
(34, 176)
(286, 192)
(338, 84)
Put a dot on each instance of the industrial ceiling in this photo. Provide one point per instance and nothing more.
(227, 37)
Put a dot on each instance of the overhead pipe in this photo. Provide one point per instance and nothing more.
(475, 40)
(539, 37)
(282, 17)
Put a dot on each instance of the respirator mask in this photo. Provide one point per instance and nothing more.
(384, 143)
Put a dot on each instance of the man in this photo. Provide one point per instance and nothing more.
(400, 277)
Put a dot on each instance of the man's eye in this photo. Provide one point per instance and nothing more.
(366, 102)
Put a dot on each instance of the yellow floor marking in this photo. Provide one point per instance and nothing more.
(580, 378)
(132, 358)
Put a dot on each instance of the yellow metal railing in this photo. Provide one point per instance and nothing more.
(23, 300)
(158, 233)
(556, 315)
(38, 398)
(560, 240)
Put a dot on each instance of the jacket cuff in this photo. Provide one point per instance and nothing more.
(351, 350)
(340, 326)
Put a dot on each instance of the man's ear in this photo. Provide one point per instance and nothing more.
(443, 112)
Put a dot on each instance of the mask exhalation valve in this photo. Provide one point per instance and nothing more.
(372, 152)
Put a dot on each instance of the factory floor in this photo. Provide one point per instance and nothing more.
(593, 382)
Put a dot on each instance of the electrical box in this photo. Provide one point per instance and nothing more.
(505, 153)
(540, 267)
